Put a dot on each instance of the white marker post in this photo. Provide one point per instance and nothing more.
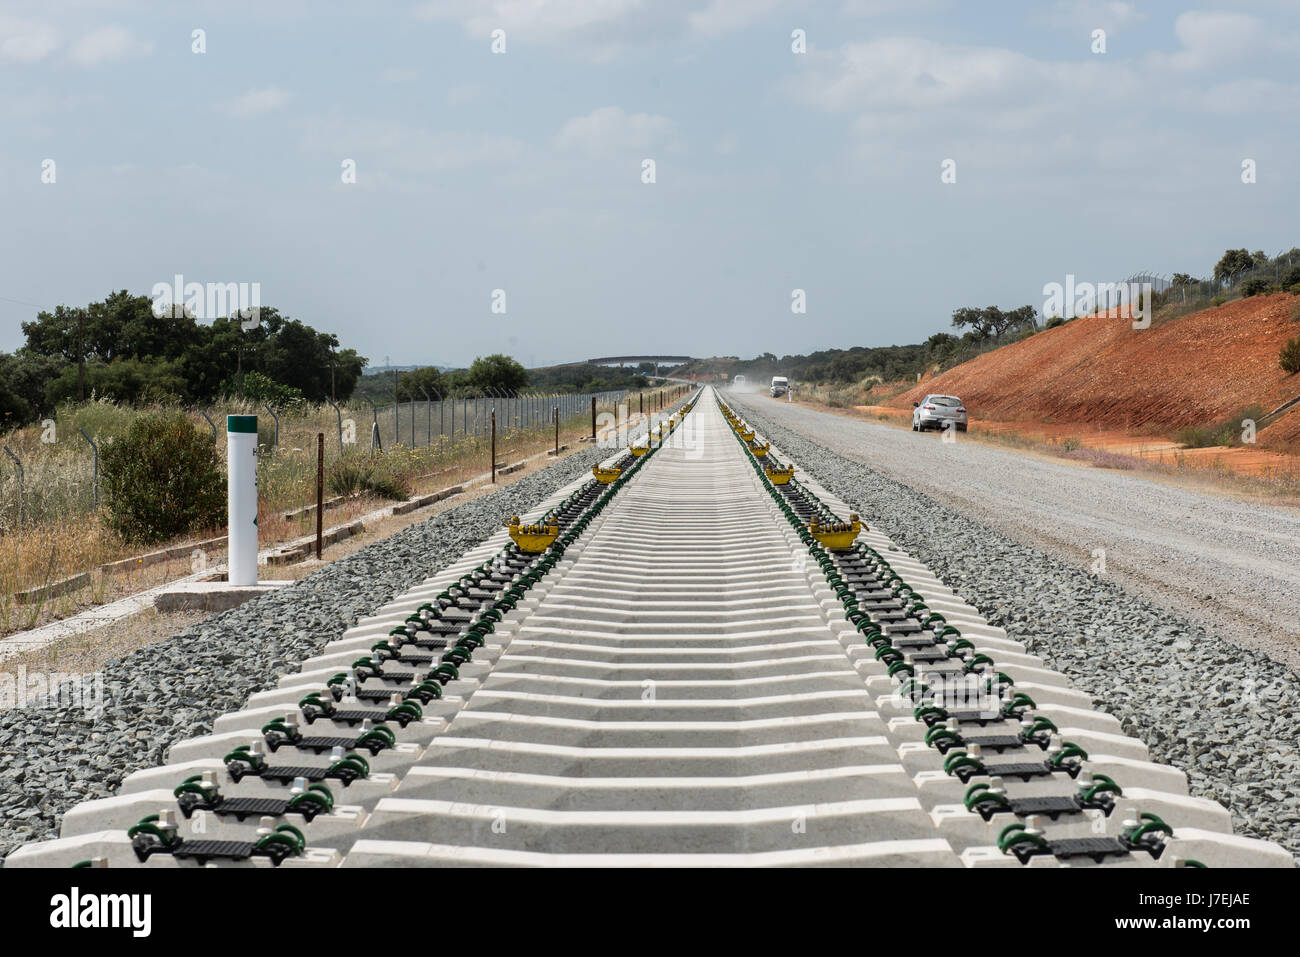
(241, 458)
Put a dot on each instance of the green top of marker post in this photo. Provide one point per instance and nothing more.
(241, 423)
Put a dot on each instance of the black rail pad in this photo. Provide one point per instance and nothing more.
(374, 694)
(1019, 769)
(1052, 807)
(204, 850)
(416, 659)
(397, 677)
(319, 744)
(1098, 848)
(431, 644)
(357, 716)
(290, 772)
(995, 742)
(242, 807)
(930, 656)
(924, 640)
(976, 717)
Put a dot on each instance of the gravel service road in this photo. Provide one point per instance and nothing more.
(53, 757)
(1013, 536)
(1230, 566)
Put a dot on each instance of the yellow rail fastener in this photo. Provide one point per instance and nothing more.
(638, 450)
(761, 450)
(605, 476)
(836, 536)
(747, 434)
(533, 538)
(780, 476)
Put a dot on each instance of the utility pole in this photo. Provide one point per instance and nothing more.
(81, 362)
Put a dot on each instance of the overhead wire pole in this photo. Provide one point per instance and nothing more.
(428, 418)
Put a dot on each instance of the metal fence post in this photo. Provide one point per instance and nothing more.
(338, 412)
(211, 423)
(96, 472)
(320, 489)
(428, 418)
(494, 445)
(275, 418)
(21, 493)
(374, 429)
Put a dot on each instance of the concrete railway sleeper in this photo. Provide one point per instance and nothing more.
(681, 660)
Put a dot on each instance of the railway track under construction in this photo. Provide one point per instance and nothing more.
(695, 656)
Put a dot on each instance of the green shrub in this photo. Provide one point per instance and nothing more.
(162, 479)
(1294, 289)
(1225, 432)
(1218, 300)
(1290, 357)
(1255, 286)
(392, 487)
(348, 477)
(1291, 277)
(1055, 321)
(354, 477)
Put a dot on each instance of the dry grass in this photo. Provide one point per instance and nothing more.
(62, 534)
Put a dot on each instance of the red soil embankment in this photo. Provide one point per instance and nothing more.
(1197, 370)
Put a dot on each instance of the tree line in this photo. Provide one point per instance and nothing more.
(120, 348)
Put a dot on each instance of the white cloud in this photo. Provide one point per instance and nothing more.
(609, 130)
(463, 93)
(257, 102)
(107, 45)
(539, 20)
(25, 41)
(395, 147)
(598, 29)
(899, 74)
(1210, 38)
(1108, 15)
(723, 16)
(1253, 96)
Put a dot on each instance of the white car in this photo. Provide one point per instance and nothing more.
(780, 386)
(939, 412)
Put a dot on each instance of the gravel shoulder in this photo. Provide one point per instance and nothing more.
(1228, 716)
(53, 757)
(1233, 567)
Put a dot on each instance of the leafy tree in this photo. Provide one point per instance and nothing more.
(1183, 279)
(941, 343)
(128, 379)
(259, 387)
(496, 372)
(24, 377)
(1231, 264)
(204, 356)
(1254, 286)
(427, 378)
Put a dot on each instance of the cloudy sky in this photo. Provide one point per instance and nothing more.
(774, 170)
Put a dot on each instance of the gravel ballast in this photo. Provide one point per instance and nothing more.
(53, 757)
(1227, 716)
